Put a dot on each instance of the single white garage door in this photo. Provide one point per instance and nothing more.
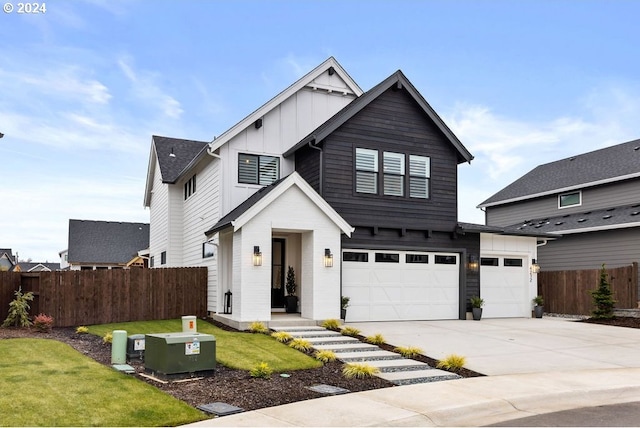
(387, 285)
(504, 282)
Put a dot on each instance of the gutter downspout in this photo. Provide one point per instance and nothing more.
(321, 175)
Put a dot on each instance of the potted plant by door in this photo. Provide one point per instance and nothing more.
(291, 299)
(476, 307)
(538, 309)
(344, 304)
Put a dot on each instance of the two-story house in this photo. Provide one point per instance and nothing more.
(592, 200)
(356, 191)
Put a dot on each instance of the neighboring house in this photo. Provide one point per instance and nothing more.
(36, 267)
(592, 200)
(7, 259)
(104, 244)
(356, 191)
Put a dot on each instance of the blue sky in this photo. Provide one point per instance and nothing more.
(85, 85)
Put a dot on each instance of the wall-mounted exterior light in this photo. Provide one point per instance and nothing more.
(535, 267)
(328, 258)
(257, 256)
(472, 264)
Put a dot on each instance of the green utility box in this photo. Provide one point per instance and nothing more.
(172, 354)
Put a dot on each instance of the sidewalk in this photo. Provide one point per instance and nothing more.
(465, 402)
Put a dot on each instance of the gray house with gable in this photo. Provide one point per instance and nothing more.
(592, 200)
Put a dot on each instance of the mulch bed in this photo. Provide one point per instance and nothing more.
(236, 387)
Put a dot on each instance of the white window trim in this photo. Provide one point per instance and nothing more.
(579, 204)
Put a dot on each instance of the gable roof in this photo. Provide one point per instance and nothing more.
(106, 241)
(38, 267)
(398, 80)
(306, 80)
(619, 217)
(175, 156)
(611, 164)
(244, 212)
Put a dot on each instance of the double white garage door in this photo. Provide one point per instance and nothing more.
(400, 285)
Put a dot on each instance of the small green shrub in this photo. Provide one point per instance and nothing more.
(350, 331)
(282, 336)
(82, 330)
(107, 338)
(452, 362)
(258, 327)
(359, 370)
(43, 323)
(603, 298)
(325, 356)
(331, 324)
(476, 302)
(19, 310)
(408, 351)
(262, 371)
(300, 344)
(376, 339)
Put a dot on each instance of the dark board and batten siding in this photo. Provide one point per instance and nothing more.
(393, 122)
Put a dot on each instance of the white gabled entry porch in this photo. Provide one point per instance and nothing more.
(292, 226)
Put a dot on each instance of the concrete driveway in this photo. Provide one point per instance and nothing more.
(517, 345)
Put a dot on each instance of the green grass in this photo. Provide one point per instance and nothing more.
(48, 383)
(237, 350)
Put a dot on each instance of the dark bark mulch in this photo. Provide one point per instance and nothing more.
(629, 322)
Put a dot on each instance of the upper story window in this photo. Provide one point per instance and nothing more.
(419, 174)
(258, 169)
(570, 199)
(366, 171)
(190, 187)
(393, 167)
(394, 178)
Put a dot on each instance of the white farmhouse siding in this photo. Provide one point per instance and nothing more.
(200, 210)
(158, 207)
(175, 227)
(507, 290)
(282, 127)
(318, 286)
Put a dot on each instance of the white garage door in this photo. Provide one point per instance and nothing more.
(400, 285)
(503, 286)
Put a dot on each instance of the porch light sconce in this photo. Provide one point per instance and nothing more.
(535, 267)
(473, 264)
(328, 258)
(257, 256)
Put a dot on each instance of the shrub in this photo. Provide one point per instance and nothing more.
(107, 338)
(19, 310)
(452, 362)
(262, 371)
(376, 339)
(476, 302)
(82, 330)
(344, 302)
(603, 298)
(408, 351)
(300, 344)
(538, 301)
(258, 327)
(43, 323)
(282, 336)
(331, 324)
(350, 331)
(359, 370)
(325, 356)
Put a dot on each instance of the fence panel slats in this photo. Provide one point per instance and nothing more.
(76, 298)
(567, 292)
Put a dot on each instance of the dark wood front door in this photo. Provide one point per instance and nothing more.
(277, 272)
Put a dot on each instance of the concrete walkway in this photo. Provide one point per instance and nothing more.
(536, 366)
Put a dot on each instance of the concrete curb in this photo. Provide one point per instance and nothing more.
(465, 402)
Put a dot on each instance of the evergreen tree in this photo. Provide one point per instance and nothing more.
(603, 298)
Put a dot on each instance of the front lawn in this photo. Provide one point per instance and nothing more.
(48, 383)
(237, 350)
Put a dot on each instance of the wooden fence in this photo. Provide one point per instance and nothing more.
(567, 292)
(75, 298)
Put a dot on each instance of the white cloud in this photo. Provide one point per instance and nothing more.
(144, 87)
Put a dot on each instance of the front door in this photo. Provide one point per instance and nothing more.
(277, 273)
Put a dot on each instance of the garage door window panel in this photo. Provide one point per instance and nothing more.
(387, 258)
(488, 261)
(512, 262)
(351, 256)
(446, 260)
(417, 258)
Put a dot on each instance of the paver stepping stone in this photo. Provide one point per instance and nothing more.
(417, 376)
(347, 347)
(403, 364)
(350, 357)
(332, 340)
(298, 328)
